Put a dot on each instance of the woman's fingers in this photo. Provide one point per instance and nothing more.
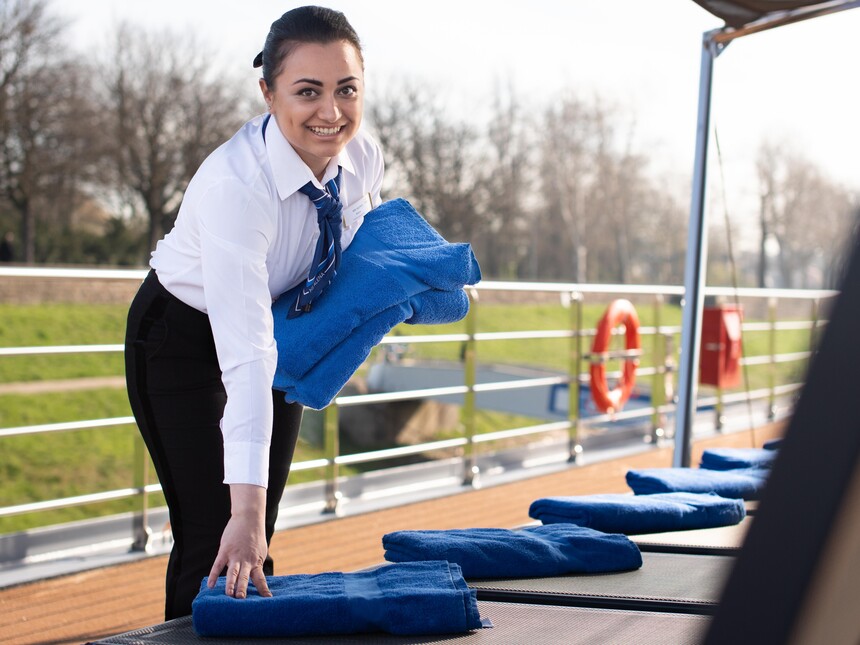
(240, 582)
(215, 571)
(237, 577)
(259, 580)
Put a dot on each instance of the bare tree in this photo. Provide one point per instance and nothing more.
(432, 160)
(806, 214)
(567, 174)
(167, 110)
(45, 113)
(510, 181)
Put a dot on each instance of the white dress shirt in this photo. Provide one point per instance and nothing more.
(243, 236)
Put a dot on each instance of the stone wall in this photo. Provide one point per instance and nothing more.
(37, 290)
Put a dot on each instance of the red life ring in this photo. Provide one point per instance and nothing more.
(619, 312)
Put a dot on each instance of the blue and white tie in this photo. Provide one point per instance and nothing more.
(327, 254)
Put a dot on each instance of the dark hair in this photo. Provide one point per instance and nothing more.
(302, 25)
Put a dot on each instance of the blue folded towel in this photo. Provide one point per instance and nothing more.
(412, 598)
(615, 513)
(319, 385)
(746, 483)
(436, 307)
(395, 256)
(734, 458)
(524, 553)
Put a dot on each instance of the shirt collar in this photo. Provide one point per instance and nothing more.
(288, 169)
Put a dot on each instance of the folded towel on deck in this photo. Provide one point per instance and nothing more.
(394, 256)
(616, 513)
(529, 552)
(734, 458)
(411, 598)
(746, 483)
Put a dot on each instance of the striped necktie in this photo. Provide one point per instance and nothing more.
(326, 259)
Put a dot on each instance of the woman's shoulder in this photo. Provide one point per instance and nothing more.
(239, 158)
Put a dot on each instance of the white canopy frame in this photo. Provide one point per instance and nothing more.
(713, 43)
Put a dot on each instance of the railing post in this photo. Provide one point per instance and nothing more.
(574, 369)
(141, 533)
(331, 445)
(813, 342)
(719, 418)
(771, 406)
(658, 382)
(467, 413)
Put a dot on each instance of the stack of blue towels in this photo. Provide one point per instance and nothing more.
(397, 269)
(407, 599)
(630, 514)
(729, 472)
(745, 483)
(524, 553)
(736, 458)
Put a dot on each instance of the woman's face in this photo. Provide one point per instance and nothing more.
(318, 100)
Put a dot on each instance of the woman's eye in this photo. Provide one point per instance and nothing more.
(307, 92)
(349, 90)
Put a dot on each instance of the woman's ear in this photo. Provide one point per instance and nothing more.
(267, 94)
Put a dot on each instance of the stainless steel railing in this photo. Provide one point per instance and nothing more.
(571, 296)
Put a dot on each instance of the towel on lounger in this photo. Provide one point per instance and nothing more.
(735, 458)
(523, 553)
(395, 256)
(411, 598)
(617, 513)
(746, 483)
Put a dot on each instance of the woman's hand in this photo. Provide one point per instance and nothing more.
(243, 543)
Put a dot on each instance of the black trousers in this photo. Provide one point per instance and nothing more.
(177, 397)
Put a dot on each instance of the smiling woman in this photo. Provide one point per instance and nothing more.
(313, 84)
(261, 215)
(317, 100)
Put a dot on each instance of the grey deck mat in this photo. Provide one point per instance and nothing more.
(666, 582)
(721, 540)
(513, 624)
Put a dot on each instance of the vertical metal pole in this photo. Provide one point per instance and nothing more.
(658, 382)
(813, 342)
(771, 407)
(331, 446)
(574, 368)
(141, 533)
(695, 267)
(467, 418)
(720, 419)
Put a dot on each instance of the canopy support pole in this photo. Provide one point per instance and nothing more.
(695, 266)
(713, 42)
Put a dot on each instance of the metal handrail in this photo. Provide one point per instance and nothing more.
(571, 295)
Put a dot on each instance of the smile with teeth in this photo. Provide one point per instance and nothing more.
(325, 131)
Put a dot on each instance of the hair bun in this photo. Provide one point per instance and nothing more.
(258, 60)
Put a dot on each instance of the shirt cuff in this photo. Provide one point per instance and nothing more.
(246, 462)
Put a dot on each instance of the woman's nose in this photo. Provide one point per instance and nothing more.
(329, 110)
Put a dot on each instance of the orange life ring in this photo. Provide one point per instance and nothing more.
(619, 312)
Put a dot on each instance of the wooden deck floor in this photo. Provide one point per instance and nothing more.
(94, 604)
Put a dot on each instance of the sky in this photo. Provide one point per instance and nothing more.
(794, 84)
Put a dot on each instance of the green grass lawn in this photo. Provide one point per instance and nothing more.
(54, 465)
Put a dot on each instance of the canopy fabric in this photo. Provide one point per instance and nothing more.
(742, 12)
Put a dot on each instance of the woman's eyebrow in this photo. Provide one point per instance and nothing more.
(314, 81)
